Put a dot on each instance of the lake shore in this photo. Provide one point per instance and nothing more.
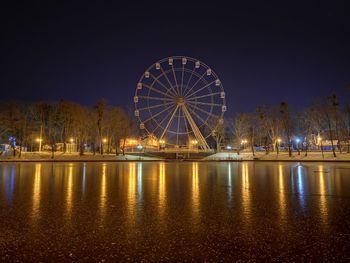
(217, 157)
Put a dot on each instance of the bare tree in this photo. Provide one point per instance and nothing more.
(101, 108)
(287, 126)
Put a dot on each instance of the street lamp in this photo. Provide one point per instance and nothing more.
(297, 140)
(71, 140)
(243, 142)
(193, 143)
(278, 145)
(104, 140)
(139, 147)
(39, 140)
(161, 143)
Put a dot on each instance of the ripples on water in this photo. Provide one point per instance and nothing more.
(174, 210)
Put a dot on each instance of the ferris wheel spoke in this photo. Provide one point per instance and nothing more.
(177, 86)
(201, 119)
(202, 88)
(157, 114)
(203, 96)
(171, 85)
(157, 90)
(200, 78)
(204, 103)
(155, 98)
(204, 111)
(169, 122)
(188, 82)
(155, 106)
(182, 78)
(186, 126)
(162, 121)
(178, 127)
(160, 83)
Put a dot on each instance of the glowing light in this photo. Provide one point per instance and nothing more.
(36, 191)
(228, 147)
(195, 190)
(279, 140)
(139, 147)
(246, 200)
(104, 140)
(131, 203)
(103, 190)
(162, 192)
(69, 189)
(323, 193)
(71, 140)
(282, 200)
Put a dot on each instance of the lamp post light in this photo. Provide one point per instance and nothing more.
(297, 140)
(71, 140)
(278, 145)
(104, 141)
(39, 140)
(194, 143)
(244, 142)
(319, 143)
(139, 147)
(161, 144)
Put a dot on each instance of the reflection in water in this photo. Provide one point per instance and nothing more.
(229, 184)
(162, 193)
(36, 192)
(195, 191)
(171, 201)
(84, 179)
(282, 200)
(103, 191)
(323, 199)
(300, 185)
(10, 182)
(131, 203)
(139, 182)
(69, 190)
(245, 191)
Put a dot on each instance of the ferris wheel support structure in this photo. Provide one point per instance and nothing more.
(180, 101)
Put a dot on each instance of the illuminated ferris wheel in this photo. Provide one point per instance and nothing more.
(180, 101)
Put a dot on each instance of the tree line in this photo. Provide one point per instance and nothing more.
(272, 126)
(99, 128)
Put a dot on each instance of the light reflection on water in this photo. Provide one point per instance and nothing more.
(36, 192)
(69, 190)
(103, 196)
(246, 202)
(193, 190)
(323, 194)
(162, 189)
(282, 199)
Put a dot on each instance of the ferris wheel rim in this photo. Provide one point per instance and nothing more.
(168, 103)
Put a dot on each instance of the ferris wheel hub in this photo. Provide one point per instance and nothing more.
(180, 101)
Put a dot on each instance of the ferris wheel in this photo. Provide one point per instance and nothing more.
(180, 101)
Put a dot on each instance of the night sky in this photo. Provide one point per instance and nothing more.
(263, 53)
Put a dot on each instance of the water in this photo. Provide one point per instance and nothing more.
(174, 211)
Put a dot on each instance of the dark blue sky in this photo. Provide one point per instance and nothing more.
(263, 53)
